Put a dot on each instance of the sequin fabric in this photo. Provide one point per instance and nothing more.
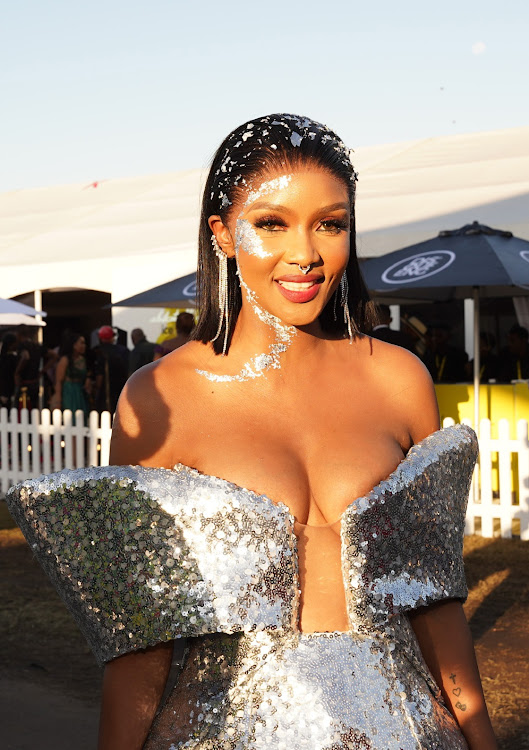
(402, 543)
(301, 691)
(144, 555)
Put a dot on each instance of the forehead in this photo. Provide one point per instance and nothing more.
(308, 185)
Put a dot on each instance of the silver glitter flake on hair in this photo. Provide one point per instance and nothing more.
(289, 128)
(142, 556)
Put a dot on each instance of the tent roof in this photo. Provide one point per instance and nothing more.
(126, 235)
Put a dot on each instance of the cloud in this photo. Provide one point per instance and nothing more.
(478, 48)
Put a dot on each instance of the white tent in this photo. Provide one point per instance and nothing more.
(125, 235)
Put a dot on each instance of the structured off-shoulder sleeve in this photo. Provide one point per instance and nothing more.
(403, 542)
(142, 556)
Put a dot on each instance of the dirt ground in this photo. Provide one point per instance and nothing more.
(43, 653)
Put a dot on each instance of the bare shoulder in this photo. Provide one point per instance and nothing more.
(405, 385)
(155, 400)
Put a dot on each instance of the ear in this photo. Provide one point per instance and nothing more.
(223, 235)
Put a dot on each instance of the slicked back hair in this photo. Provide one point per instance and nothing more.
(256, 149)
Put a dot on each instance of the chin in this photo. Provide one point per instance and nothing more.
(300, 319)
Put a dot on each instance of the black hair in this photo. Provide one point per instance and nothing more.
(520, 331)
(383, 311)
(8, 340)
(185, 322)
(257, 148)
(68, 343)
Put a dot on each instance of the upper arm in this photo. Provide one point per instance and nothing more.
(23, 357)
(60, 371)
(133, 683)
(141, 433)
(413, 394)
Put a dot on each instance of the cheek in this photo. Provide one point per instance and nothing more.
(248, 241)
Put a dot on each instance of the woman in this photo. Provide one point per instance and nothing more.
(8, 365)
(72, 383)
(318, 613)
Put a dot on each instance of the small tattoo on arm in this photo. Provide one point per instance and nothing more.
(457, 692)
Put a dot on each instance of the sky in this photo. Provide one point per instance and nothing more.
(115, 88)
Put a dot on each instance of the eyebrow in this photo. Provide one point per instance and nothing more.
(278, 207)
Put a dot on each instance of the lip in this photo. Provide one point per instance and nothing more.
(303, 295)
(299, 278)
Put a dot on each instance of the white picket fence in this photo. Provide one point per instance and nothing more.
(40, 442)
(498, 504)
(34, 443)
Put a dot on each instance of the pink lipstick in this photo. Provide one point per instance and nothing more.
(299, 288)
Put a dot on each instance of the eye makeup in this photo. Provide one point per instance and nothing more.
(247, 240)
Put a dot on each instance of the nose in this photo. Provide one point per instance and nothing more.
(301, 250)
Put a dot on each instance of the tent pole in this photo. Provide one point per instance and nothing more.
(37, 304)
(477, 365)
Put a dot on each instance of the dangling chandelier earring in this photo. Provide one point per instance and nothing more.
(344, 303)
(224, 312)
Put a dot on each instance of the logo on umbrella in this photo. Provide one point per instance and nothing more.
(418, 266)
(190, 290)
(524, 255)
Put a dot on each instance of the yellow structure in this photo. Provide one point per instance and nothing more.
(495, 402)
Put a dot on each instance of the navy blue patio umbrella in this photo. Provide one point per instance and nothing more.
(177, 293)
(463, 263)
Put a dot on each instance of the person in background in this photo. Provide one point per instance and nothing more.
(72, 383)
(111, 370)
(489, 363)
(185, 323)
(514, 359)
(143, 351)
(446, 363)
(383, 332)
(27, 371)
(8, 364)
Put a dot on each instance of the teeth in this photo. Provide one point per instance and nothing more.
(296, 286)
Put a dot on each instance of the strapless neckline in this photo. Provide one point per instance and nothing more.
(416, 449)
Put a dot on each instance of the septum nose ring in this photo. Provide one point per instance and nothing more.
(304, 269)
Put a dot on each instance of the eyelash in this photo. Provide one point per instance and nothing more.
(336, 224)
(268, 222)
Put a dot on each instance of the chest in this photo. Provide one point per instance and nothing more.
(313, 450)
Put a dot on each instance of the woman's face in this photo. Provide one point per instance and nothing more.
(80, 346)
(285, 221)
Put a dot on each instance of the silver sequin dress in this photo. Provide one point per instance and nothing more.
(142, 555)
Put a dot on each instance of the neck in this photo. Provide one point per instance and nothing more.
(262, 343)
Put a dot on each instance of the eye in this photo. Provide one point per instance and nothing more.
(333, 226)
(270, 223)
